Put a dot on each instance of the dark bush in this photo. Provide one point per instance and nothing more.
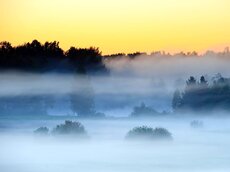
(162, 133)
(70, 128)
(149, 133)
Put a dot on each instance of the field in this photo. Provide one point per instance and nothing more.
(192, 149)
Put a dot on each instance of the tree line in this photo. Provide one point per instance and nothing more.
(38, 57)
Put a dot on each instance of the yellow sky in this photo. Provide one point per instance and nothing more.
(119, 25)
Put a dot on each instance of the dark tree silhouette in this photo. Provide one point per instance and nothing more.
(177, 100)
(37, 57)
(134, 55)
(85, 59)
(191, 82)
(82, 100)
(201, 96)
(203, 82)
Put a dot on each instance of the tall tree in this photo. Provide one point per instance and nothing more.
(177, 100)
(82, 99)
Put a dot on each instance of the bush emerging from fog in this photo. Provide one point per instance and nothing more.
(70, 128)
(41, 131)
(149, 133)
(162, 133)
(196, 124)
(144, 111)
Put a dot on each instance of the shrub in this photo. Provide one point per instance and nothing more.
(162, 133)
(144, 111)
(42, 131)
(70, 128)
(196, 124)
(149, 133)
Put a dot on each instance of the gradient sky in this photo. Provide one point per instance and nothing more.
(119, 25)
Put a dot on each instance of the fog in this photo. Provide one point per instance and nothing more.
(201, 149)
(170, 67)
(150, 79)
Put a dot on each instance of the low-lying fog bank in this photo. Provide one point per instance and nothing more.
(204, 148)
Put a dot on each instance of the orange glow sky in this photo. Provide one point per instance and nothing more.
(119, 25)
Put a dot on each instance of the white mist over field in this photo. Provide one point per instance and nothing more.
(148, 79)
(204, 149)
